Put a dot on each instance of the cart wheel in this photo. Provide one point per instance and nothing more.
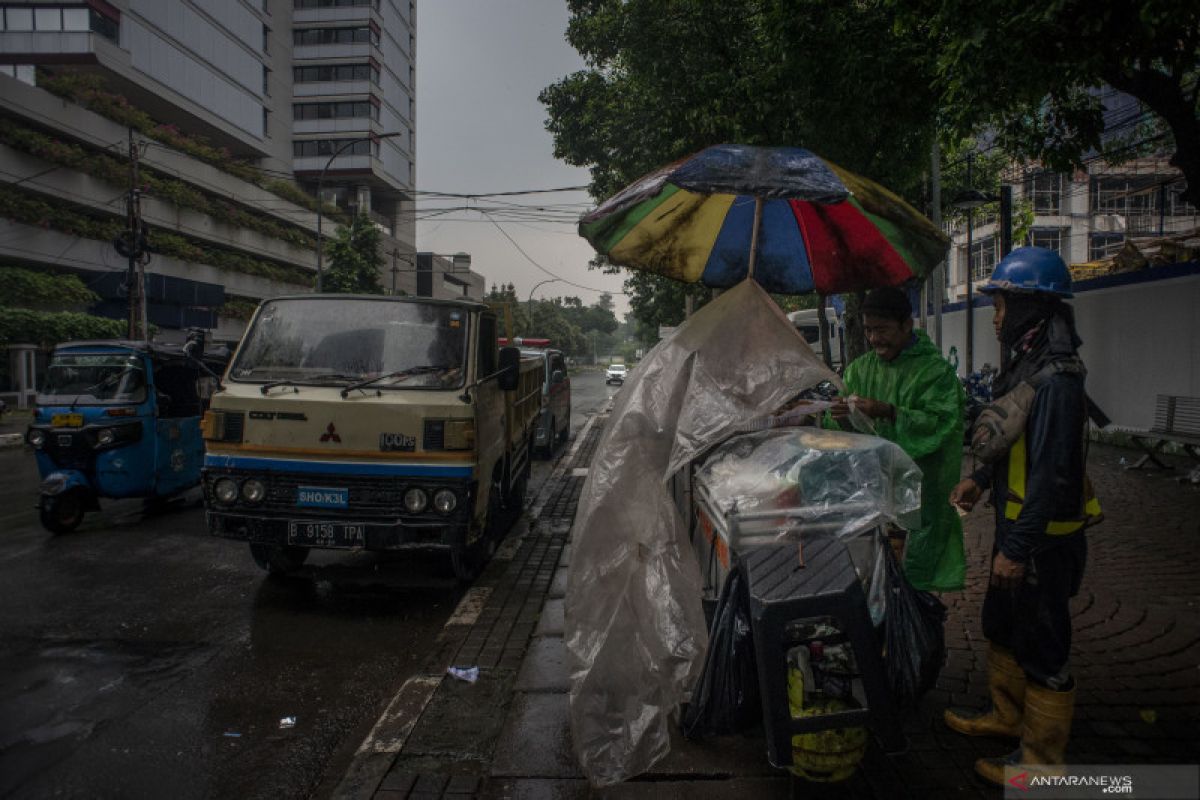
(62, 513)
(278, 561)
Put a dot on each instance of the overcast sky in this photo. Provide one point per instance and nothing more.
(480, 66)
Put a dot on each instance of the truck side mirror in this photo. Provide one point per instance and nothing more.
(510, 368)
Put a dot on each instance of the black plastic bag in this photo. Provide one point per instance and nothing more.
(727, 698)
(914, 628)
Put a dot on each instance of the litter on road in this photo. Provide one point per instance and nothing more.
(468, 674)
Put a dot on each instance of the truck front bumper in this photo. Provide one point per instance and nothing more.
(376, 535)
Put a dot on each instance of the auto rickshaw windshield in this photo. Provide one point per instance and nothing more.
(405, 345)
(93, 379)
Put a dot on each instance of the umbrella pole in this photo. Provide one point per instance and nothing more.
(758, 207)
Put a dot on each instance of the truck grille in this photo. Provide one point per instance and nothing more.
(370, 497)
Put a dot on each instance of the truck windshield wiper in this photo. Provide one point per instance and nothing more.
(402, 373)
(328, 376)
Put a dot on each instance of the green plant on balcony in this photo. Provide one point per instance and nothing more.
(87, 90)
(32, 209)
(240, 308)
(116, 171)
(48, 328)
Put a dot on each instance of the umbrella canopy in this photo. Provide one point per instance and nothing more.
(819, 227)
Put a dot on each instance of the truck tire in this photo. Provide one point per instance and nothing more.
(566, 431)
(468, 560)
(551, 439)
(279, 561)
(62, 513)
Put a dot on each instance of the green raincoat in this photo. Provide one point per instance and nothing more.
(929, 427)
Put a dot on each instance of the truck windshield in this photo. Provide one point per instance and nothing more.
(323, 341)
(93, 379)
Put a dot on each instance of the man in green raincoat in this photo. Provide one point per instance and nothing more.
(914, 398)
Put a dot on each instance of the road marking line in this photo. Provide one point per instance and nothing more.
(401, 716)
(579, 472)
(469, 607)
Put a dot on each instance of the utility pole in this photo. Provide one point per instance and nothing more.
(131, 243)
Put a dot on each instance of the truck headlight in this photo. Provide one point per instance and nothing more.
(225, 490)
(445, 501)
(37, 438)
(415, 500)
(253, 491)
(105, 437)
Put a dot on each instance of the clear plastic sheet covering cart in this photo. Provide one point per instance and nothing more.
(635, 629)
(839, 483)
(801, 482)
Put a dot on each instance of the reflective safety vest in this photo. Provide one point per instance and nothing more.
(1016, 496)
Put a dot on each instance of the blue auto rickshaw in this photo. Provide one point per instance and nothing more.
(120, 419)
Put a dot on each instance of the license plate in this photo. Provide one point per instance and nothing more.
(67, 420)
(327, 534)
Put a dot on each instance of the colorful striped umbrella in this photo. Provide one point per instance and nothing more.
(783, 215)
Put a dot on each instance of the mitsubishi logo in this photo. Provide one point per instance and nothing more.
(331, 435)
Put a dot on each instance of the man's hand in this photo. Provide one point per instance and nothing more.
(1006, 573)
(966, 494)
(875, 409)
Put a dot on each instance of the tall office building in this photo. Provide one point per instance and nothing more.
(235, 110)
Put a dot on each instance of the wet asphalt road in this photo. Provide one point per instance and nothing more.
(140, 657)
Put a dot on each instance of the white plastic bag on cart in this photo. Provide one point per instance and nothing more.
(635, 628)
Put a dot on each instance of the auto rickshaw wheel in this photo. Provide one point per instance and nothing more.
(279, 561)
(62, 513)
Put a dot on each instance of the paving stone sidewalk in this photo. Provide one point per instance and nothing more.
(1136, 656)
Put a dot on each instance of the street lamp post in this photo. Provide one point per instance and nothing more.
(530, 304)
(321, 203)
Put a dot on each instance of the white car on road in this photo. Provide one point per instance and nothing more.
(615, 374)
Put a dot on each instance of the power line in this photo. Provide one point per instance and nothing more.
(530, 259)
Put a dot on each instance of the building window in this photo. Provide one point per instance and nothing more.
(983, 258)
(266, 81)
(1130, 195)
(309, 36)
(327, 147)
(1103, 245)
(336, 72)
(266, 123)
(1049, 238)
(266, 39)
(56, 18)
(18, 19)
(1045, 192)
(356, 110)
(26, 73)
(336, 4)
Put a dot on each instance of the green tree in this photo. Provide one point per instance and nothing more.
(1030, 71)
(831, 76)
(354, 259)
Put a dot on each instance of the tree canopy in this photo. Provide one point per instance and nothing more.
(354, 260)
(1030, 72)
(765, 72)
(571, 326)
(869, 85)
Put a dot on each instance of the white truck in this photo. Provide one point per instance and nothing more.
(370, 423)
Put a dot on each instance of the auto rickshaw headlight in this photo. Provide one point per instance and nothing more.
(415, 500)
(253, 491)
(105, 437)
(445, 501)
(37, 438)
(225, 490)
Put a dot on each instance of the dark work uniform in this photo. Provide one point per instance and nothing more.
(1034, 619)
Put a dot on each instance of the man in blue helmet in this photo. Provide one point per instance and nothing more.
(1043, 503)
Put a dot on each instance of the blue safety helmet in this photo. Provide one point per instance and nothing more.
(1031, 270)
